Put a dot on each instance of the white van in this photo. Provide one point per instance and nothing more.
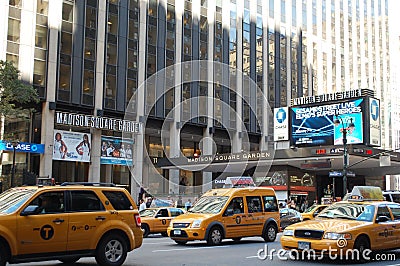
(392, 195)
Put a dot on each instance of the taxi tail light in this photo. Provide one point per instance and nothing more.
(138, 220)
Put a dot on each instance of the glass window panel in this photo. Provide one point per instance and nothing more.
(64, 81)
(91, 18)
(42, 7)
(170, 40)
(67, 12)
(41, 37)
(151, 64)
(66, 43)
(112, 24)
(88, 82)
(13, 30)
(153, 8)
(39, 73)
(13, 59)
(90, 48)
(152, 35)
(132, 58)
(111, 54)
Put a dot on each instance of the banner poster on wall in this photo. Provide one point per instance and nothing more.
(314, 125)
(71, 146)
(116, 151)
(374, 122)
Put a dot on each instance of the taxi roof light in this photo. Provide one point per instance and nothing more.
(366, 193)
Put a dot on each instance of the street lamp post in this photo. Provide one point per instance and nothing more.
(346, 126)
(14, 144)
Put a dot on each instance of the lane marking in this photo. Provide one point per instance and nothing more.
(251, 257)
(185, 249)
(157, 243)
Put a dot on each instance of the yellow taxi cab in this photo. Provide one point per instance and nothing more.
(156, 220)
(229, 213)
(363, 222)
(67, 222)
(313, 211)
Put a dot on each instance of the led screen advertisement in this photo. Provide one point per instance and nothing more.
(314, 125)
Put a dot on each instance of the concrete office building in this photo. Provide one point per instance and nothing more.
(89, 57)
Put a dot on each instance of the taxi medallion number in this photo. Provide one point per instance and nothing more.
(177, 232)
(303, 245)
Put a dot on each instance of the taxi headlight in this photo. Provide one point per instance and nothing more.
(336, 236)
(196, 223)
(288, 232)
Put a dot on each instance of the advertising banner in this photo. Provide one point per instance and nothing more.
(302, 182)
(71, 146)
(276, 179)
(22, 147)
(374, 122)
(116, 151)
(281, 124)
(314, 125)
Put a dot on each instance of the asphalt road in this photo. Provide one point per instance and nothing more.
(157, 250)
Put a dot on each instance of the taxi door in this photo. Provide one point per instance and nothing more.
(45, 230)
(384, 233)
(234, 219)
(87, 214)
(255, 215)
(162, 220)
(395, 209)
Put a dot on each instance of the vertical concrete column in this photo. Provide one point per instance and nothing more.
(175, 126)
(46, 160)
(138, 156)
(265, 118)
(27, 40)
(3, 30)
(94, 169)
(208, 142)
(346, 36)
(329, 82)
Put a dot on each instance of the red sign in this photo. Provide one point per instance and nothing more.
(302, 188)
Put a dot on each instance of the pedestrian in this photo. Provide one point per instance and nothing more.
(188, 204)
(179, 202)
(142, 205)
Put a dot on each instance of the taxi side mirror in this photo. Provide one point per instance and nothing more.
(382, 219)
(29, 210)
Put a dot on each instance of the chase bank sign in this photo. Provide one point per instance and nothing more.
(281, 124)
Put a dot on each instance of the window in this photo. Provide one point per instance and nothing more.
(85, 201)
(118, 200)
(49, 202)
(395, 211)
(383, 211)
(270, 204)
(254, 204)
(176, 212)
(235, 207)
(162, 213)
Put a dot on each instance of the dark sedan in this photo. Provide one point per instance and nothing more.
(289, 216)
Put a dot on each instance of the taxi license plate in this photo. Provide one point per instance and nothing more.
(303, 245)
(177, 232)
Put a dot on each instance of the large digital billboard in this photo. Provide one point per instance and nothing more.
(314, 125)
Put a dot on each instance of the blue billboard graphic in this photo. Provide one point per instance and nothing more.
(22, 147)
(354, 135)
(314, 125)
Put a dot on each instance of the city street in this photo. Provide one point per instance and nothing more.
(157, 250)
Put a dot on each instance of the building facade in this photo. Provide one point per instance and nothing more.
(90, 57)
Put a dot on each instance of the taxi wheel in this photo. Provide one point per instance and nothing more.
(361, 244)
(69, 260)
(215, 236)
(270, 233)
(181, 242)
(112, 250)
(3, 254)
(146, 230)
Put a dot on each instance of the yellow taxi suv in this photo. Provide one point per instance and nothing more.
(313, 211)
(228, 213)
(362, 222)
(68, 222)
(156, 220)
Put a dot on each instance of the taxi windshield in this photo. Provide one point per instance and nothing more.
(147, 213)
(212, 204)
(12, 199)
(349, 211)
